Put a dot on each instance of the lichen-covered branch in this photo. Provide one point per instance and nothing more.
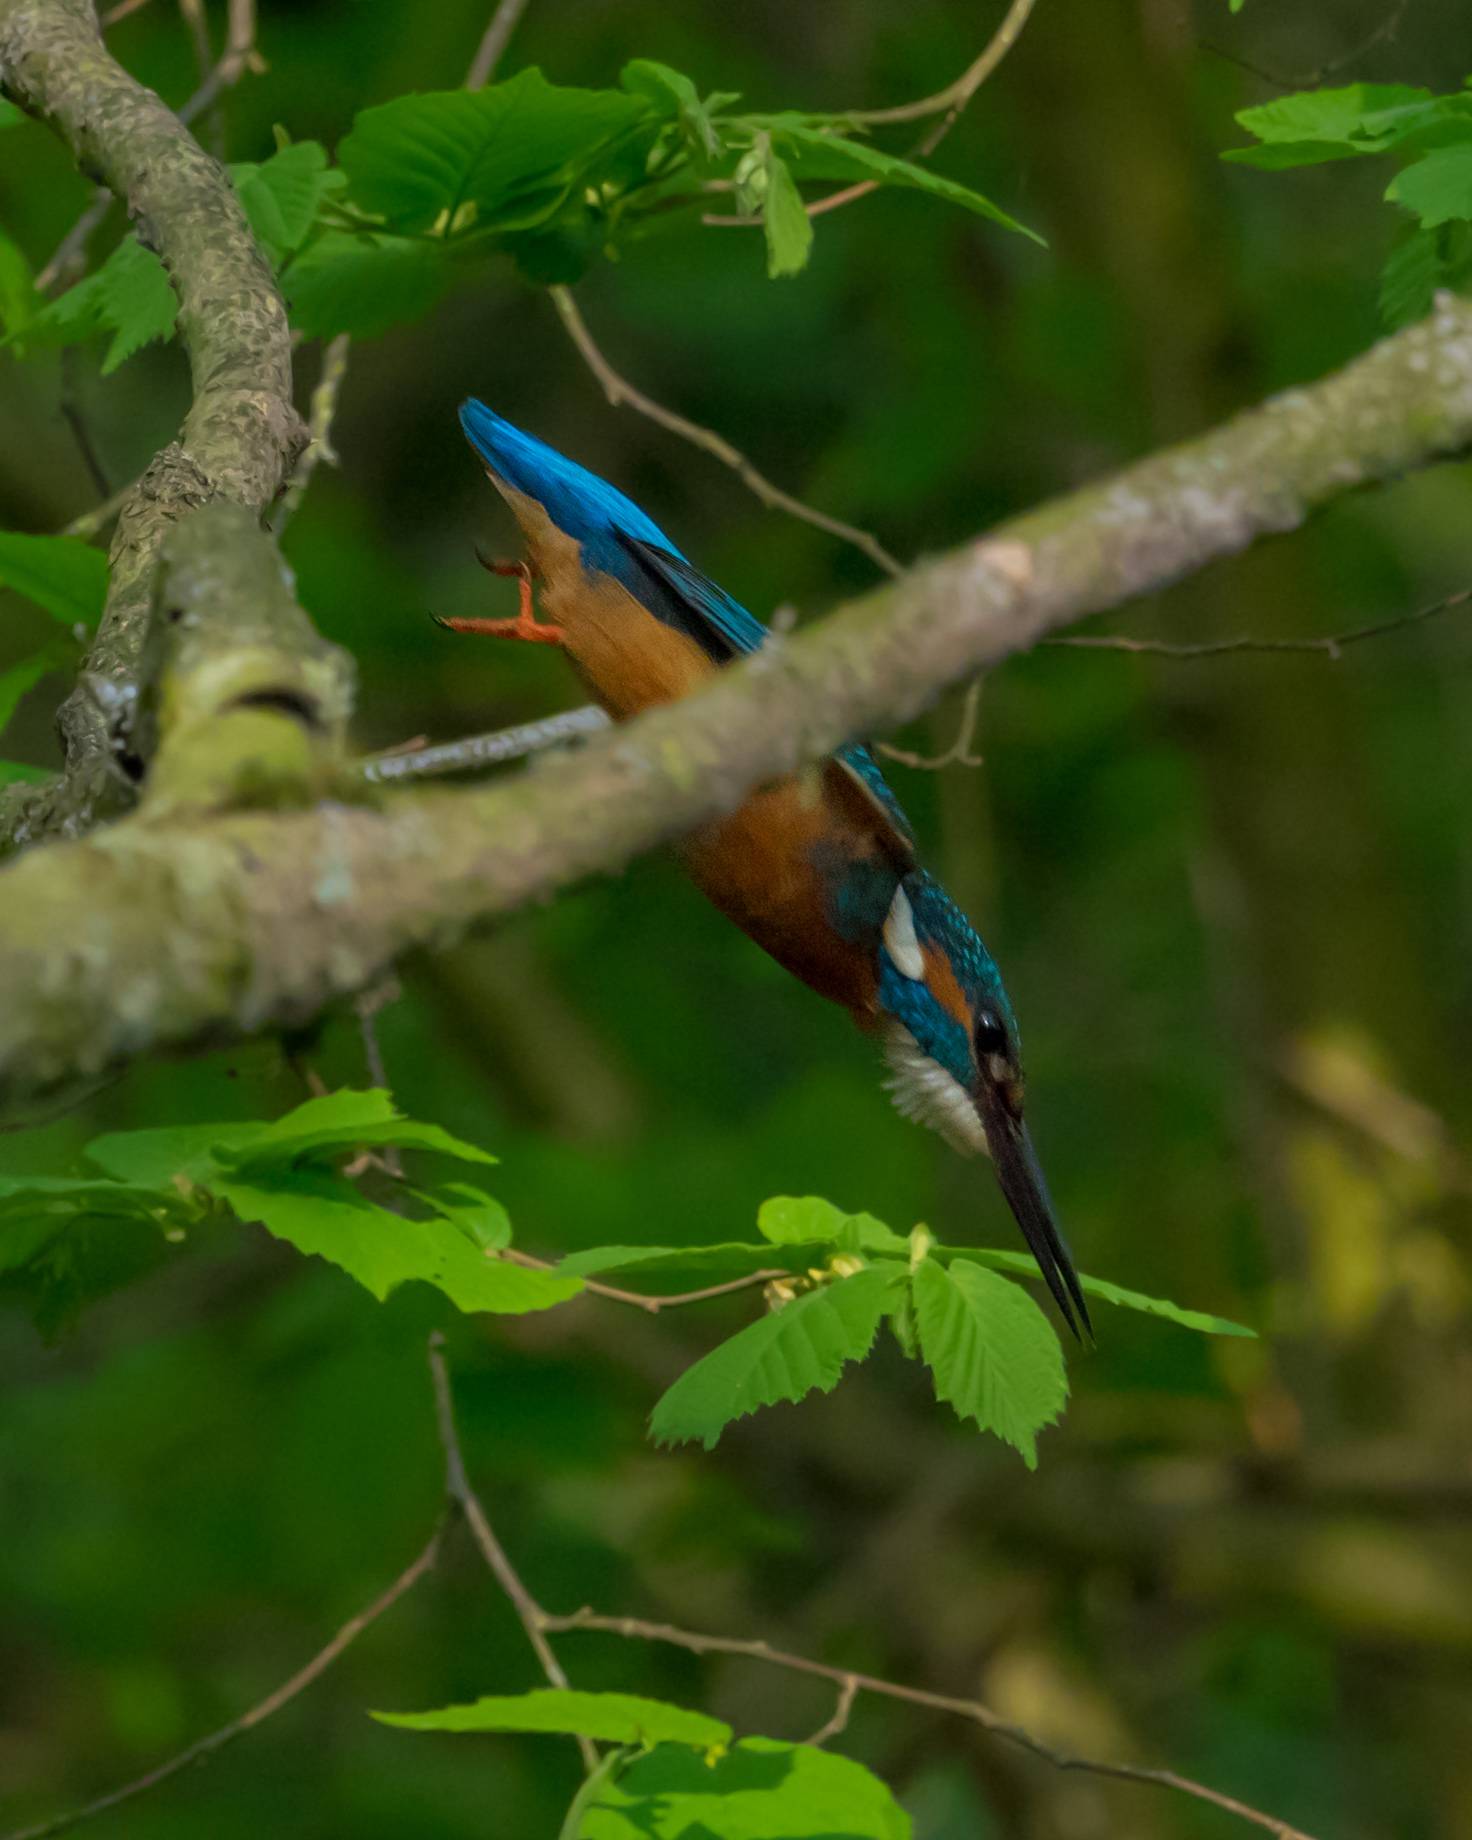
(168, 933)
(241, 435)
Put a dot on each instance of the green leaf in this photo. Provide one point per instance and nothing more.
(18, 679)
(323, 1215)
(1438, 187)
(1023, 1264)
(18, 773)
(363, 284)
(483, 1221)
(993, 1353)
(608, 1718)
(1312, 126)
(341, 1121)
(171, 1153)
(784, 1355)
(503, 155)
(10, 115)
(815, 155)
(283, 195)
(1410, 278)
(761, 1789)
(789, 229)
(62, 574)
(788, 1220)
(672, 93)
(19, 301)
(130, 296)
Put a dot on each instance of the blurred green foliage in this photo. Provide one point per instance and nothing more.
(1232, 898)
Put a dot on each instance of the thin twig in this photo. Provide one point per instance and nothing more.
(1329, 647)
(1388, 27)
(643, 1300)
(838, 1722)
(636, 1629)
(475, 751)
(258, 1714)
(619, 391)
(488, 52)
(70, 256)
(320, 413)
(532, 1616)
(956, 95)
(238, 57)
(953, 100)
(71, 412)
(121, 11)
(959, 753)
(367, 1006)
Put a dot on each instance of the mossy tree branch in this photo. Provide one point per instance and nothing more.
(174, 932)
(241, 436)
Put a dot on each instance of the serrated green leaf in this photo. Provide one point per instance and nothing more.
(1331, 117)
(130, 296)
(15, 682)
(813, 154)
(323, 1215)
(62, 574)
(761, 1789)
(1409, 279)
(19, 301)
(673, 93)
(784, 1355)
(170, 1153)
(499, 156)
(340, 1121)
(1438, 187)
(480, 1218)
(992, 1351)
(607, 1718)
(803, 1219)
(363, 284)
(1024, 1265)
(788, 228)
(283, 195)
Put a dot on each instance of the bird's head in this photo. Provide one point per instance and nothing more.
(956, 1061)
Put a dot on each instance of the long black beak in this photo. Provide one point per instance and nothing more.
(1022, 1183)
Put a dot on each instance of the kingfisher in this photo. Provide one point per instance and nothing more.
(819, 868)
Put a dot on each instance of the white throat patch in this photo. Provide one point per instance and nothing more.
(899, 938)
(924, 1091)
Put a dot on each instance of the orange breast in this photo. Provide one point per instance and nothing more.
(756, 864)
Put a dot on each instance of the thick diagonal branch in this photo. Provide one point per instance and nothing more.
(241, 435)
(171, 934)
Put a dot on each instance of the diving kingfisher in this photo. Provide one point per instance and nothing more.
(818, 868)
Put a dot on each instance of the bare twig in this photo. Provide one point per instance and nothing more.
(121, 11)
(838, 1721)
(70, 256)
(489, 51)
(636, 1629)
(956, 95)
(238, 57)
(1329, 647)
(643, 1300)
(258, 1714)
(959, 753)
(71, 411)
(395, 768)
(320, 413)
(532, 1616)
(1387, 29)
(619, 391)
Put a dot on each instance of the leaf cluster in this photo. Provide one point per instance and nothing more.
(1429, 137)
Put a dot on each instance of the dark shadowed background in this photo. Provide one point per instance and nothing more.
(1232, 897)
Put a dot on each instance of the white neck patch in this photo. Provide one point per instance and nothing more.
(924, 1091)
(899, 938)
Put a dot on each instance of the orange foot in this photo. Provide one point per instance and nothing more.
(526, 625)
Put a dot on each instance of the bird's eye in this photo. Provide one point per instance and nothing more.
(991, 1034)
